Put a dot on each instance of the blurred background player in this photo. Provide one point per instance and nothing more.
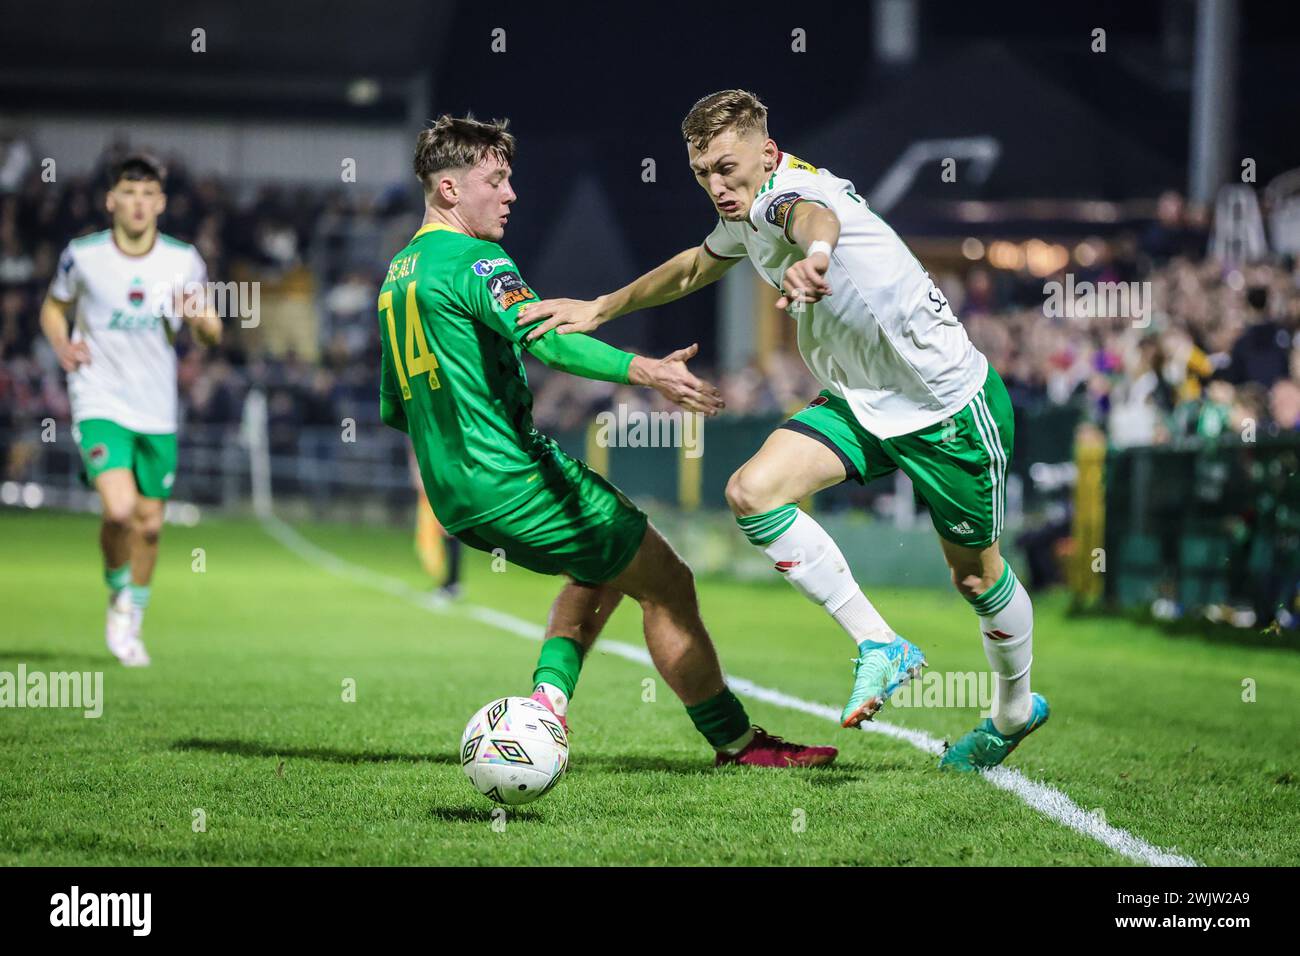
(904, 388)
(439, 552)
(452, 377)
(112, 313)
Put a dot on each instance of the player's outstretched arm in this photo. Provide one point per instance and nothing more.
(815, 230)
(669, 376)
(54, 323)
(684, 273)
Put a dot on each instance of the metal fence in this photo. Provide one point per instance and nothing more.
(1204, 524)
(336, 470)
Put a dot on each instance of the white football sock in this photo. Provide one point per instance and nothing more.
(1009, 646)
(558, 698)
(811, 561)
(739, 744)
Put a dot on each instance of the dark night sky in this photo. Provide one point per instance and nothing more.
(594, 89)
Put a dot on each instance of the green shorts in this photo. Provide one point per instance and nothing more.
(151, 458)
(576, 524)
(958, 465)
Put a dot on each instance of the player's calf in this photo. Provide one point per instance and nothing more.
(790, 466)
(683, 653)
(577, 617)
(1006, 618)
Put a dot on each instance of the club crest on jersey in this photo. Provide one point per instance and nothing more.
(135, 295)
(485, 267)
(508, 289)
(780, 208)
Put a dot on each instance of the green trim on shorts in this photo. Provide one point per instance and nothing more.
(958, 466)
(151, 459)
(577, 524)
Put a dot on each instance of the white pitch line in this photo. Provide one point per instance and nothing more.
(1047, 800)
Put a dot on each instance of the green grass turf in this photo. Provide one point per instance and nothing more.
(242, 715)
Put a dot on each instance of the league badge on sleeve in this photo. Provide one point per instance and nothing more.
(508, 289)
(779, 209)
(485, 267)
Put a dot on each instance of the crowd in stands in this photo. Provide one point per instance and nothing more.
(1212, 353)
(1212, 350)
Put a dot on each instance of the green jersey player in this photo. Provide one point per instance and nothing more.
(117, 300)
(904, 389)
(452, 379)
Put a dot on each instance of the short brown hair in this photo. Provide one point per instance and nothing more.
(454, 143)
(737, 110)
(137, 167)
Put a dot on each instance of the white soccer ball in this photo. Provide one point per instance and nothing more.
(514, 750)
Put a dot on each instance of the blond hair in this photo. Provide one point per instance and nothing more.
(736, 110)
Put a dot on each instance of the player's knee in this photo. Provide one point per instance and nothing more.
(748, 493)
(119, 515)
(150, 529)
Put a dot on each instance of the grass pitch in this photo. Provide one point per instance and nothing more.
(242, 717)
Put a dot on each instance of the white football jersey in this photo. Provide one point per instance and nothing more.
(884, 339)
(126, 313)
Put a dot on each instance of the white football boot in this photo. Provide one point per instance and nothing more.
(139, 657)
(122, 631)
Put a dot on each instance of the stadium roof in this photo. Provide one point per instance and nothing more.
(1052, 142)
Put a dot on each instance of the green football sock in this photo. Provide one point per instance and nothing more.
(559, 664)
(722, 719)
(998, 596)
(770, 525)
(117, 578)
(140, 595)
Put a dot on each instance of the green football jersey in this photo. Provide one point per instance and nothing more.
(451, 356)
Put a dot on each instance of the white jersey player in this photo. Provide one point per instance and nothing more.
(886, 342)
(116, 303)
(904, 388)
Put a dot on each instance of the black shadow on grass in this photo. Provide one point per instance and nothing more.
(612, 763)
(105, 661)
(249, 748)
(483, 814)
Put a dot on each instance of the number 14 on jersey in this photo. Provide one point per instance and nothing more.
(419, 359)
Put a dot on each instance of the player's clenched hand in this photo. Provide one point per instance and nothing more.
(670, 377)
(563, 315)
(805, 281)
(73, 355)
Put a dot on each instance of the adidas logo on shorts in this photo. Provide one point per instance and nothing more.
(963, 528)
